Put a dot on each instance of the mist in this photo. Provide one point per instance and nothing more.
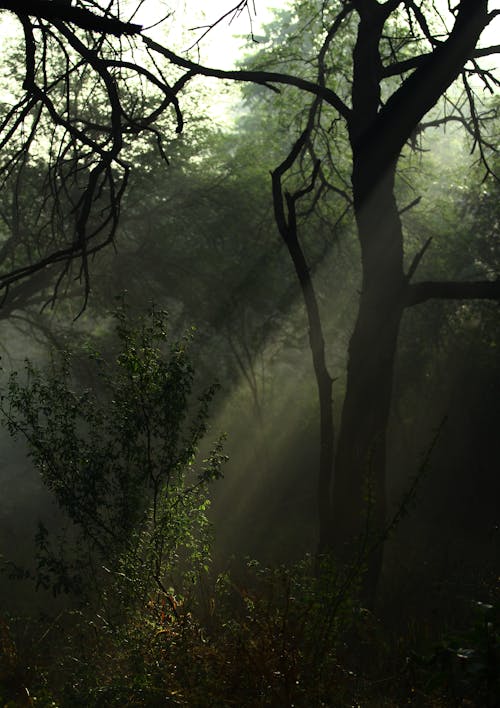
(250, 386)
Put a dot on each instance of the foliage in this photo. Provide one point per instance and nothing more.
(120, 459)
(261, 637)
(292, 45)
(119, 456)
(256, 636)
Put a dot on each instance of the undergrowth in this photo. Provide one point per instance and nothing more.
(268, 639)
(148, 623)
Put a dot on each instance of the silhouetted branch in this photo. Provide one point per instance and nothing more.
(435, 290)
(409, 206)
(402, 67)
(418, 257)
(418, 93)
(264, 78)
(234, 12)
(86, 171)
(53, 10)
(87, 168)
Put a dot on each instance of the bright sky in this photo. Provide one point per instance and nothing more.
(220, 48)
(222, 45)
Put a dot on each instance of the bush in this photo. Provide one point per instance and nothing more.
(120, 460)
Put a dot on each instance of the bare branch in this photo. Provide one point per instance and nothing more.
(85, 168)
(234, 12)
(52, 10)
(409, 206)
(418, 293)
(264, 78)
(418, 257)
(396, 121)
(422, 22)
(486, 51)
(414, 62)
(391, 5)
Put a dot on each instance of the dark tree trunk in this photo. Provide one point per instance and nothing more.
(359, 487)
(359, 490)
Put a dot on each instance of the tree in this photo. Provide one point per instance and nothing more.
(382, 118)
(404, 58)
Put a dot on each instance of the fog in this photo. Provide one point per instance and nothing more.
(250, 386)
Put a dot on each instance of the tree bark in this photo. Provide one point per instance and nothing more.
(359, 489)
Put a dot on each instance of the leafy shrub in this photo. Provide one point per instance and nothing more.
(120, 460)
(152, 627)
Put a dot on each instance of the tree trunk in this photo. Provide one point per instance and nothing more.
(287, 225)
(324, 386)
(359, 490)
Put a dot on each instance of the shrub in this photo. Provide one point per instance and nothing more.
(120, 459)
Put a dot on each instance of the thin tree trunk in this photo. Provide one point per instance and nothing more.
(324, 387)
(286, 221)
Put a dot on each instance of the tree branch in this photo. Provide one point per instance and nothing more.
(486, 51)
(53, 10)
(381, 143)
(414, 62)
(418, 293)
(264, 78)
